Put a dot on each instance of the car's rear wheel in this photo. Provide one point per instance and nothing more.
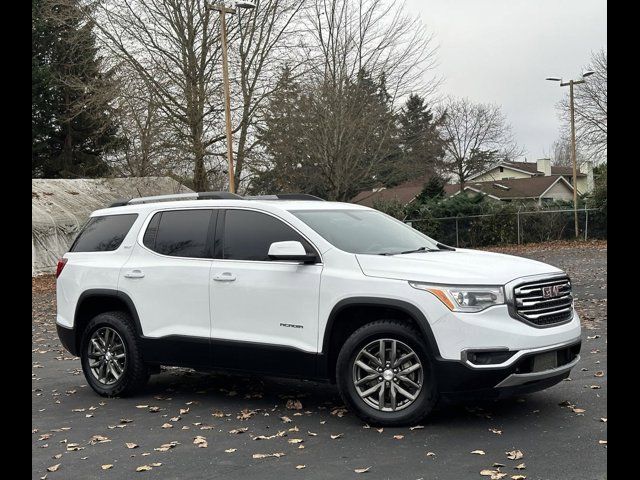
(384, 374)
(111, 359)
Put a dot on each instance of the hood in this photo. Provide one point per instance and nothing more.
(459, 267)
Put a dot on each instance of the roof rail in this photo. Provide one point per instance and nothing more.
(285, 196)
(213, 196)
(178, 196)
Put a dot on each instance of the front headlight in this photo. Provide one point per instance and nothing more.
(464, 298)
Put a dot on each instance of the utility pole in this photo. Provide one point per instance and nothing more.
(574, 160)
(573, 157)
(220, 7)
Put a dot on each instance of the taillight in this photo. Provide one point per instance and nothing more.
(61, 263)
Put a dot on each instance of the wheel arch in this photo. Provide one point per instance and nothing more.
(95, 301)
(351, 313)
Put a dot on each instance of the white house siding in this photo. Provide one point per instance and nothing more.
(559, 191)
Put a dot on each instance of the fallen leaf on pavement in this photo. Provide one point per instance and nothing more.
(603, 419)
(53, 468)
(230, 450)
(339, 435)
(131, 445)
(200, 441)
(599, 373)
(285, 419)
(478, 452)
(300, 467)
(431, 454)
(518, 477)
(239, 430)
(295, 440)
(166, 425)
(266, 455)
(496, 431)
(398, 437)
(294, 405)
(362, 470)
(246, 414)
(339, 411)
(143, 468)
(417, 427)
(106, 466)
(514, 455)
(493, 474)
(98, 439)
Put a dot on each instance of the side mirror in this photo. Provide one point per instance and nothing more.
(290, 250)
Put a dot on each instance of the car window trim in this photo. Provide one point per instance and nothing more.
(220, 234)
(81, 231)
(143, 229)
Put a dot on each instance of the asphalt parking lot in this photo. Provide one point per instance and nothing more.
(193, 425)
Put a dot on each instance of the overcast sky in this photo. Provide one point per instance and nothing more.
(500, 51)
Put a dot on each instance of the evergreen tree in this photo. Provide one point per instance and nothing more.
(326, 138)
(72, 115)
(420, 139)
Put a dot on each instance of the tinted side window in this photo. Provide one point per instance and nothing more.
(248, 235)
(179, 233)
(103, 234)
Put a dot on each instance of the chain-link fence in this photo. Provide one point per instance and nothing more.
(513, 227)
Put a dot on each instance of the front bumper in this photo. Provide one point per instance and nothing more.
(522, 375)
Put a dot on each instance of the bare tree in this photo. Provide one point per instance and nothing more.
(266, 37)
(560, 153)
(148, 149)
(476, 135)
(360, 57)
(590, 101)
(173, 45)
(376, 36)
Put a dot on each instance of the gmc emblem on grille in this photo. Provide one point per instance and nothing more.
(551, 291)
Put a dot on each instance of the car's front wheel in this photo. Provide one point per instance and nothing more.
(384, 374)
(111, 360)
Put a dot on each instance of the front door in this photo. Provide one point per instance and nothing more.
(264, 312)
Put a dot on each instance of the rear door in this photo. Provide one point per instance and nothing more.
(263, 311)
(167, 277)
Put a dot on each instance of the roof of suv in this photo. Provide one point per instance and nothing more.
(286, 205)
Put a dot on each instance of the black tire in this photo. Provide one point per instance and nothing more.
(135, 374)
(389, 329)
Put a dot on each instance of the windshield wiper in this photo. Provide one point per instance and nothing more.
(420, 249)
(417, 250)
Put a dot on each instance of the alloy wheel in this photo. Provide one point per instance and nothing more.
(107, 355)
(388, 375)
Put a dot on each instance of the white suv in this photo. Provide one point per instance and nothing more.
(290, 285)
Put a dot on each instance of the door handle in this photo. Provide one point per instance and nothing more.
(224, 277)
(134, 274)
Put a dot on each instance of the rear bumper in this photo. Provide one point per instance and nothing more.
(457, 379)
(67, 337)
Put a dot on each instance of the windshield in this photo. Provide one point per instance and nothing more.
(365, 231)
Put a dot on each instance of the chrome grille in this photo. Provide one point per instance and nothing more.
(544, 302)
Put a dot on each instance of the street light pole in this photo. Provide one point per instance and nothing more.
(574, 160)
(225, 82)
